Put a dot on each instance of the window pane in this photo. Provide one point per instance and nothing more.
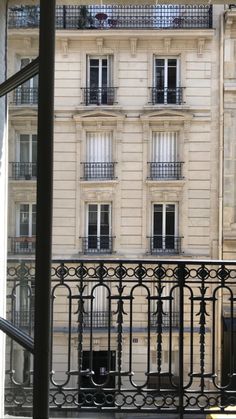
(92, 220)
(170, 220)
(24, 220)
(34, 148)
(104, 228)
(24, 148)
(157, 220)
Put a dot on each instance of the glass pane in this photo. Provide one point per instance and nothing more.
(170, 220)
(172, 75)
(104, 73)
(104, 227)
(94, 73)
(157, 220)
(24, 220)
(24, 148)
(34, 148)
(92, 220)
(33, 219)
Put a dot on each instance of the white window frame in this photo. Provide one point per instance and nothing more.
(164, 205)
(99, 204)
(33, 81)
(18, 146)
(166, 58)
(109, 69)
(30, 205)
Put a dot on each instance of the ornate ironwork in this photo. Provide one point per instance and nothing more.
(22, 245)
(98, 171)
(25, 96)
(167, 16)
(167, 96)
(165, 244)
(165, 170)
(23, 170)
(99, 95)
(97, 244)
(132, 364)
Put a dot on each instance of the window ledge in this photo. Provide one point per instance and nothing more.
(166, 182)
(91, 182)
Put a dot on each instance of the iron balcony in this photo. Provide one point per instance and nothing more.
(25, 96)
(23, 170)
(97, 244)
(165, 170)
(118, 17)
(167, 244)
(98, 171)
(23, 318)
(22, 245)
(167, 96)
(99, 95)
(96, 319)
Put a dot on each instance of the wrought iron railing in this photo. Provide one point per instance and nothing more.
(165, 170)
(165, 244)
(140, 362)
(22, 170)
(118, 17)
(167, 96)
(96, 319)
(99, 95)
(25, 96)
(97, 244)
(98, 171)
(22, 245)
(23, 318)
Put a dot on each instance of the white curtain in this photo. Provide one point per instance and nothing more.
(99, 147)
(164, 147)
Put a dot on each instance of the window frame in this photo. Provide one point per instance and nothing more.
(176, 223)
(98, 204)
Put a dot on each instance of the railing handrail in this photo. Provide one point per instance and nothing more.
(17, 335)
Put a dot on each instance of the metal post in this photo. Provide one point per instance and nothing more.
(44, 209)
(181, 268)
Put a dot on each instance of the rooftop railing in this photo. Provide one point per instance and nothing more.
(168, 336)
(117, 17)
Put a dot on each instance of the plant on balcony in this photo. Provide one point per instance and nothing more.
(85, 19)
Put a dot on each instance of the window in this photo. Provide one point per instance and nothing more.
(24, 242)
(99, 90)
(27, 93)
(98, 163)
(167, 88)
(164, 156)
(26, 156)
(98, 229)
(164, 239)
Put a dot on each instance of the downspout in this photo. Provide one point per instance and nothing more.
(220, 196)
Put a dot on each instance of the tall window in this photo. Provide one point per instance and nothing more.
(26, 155)
(25, 228)
(98, 228)
(166, 81)
(164, 237)
(164, 156)
(99, 163)
(27, 93)
(99, 81)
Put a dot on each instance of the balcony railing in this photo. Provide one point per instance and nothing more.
(165, 170)
(167, 96)
(22, 170)
(22, 245)
(95, 244)
(118, 17)
(96, 319)
(23, 318)
(165, 244)
(99, 95)
(168, 350)
(25, 96)
(98, 171)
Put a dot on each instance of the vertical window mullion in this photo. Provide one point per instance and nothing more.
(99, 224)
(164, 225)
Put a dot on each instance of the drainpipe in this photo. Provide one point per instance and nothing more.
(220, 197)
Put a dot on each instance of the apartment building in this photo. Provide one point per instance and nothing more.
(143, 155)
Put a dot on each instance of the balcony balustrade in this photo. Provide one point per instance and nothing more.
(167, 96)
(23, 170)
(165, 244)
(165, 170)
(98, 171)
(24, 318)
(22, 245)
(99, 95)
(159, 341)
(156, 17)
(25, 96)
(97, 244)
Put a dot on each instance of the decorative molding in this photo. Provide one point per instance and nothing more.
(100, 45)
(133, 46)
(200, 45)
(65, 46)
(103, 115)
(167, 44)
